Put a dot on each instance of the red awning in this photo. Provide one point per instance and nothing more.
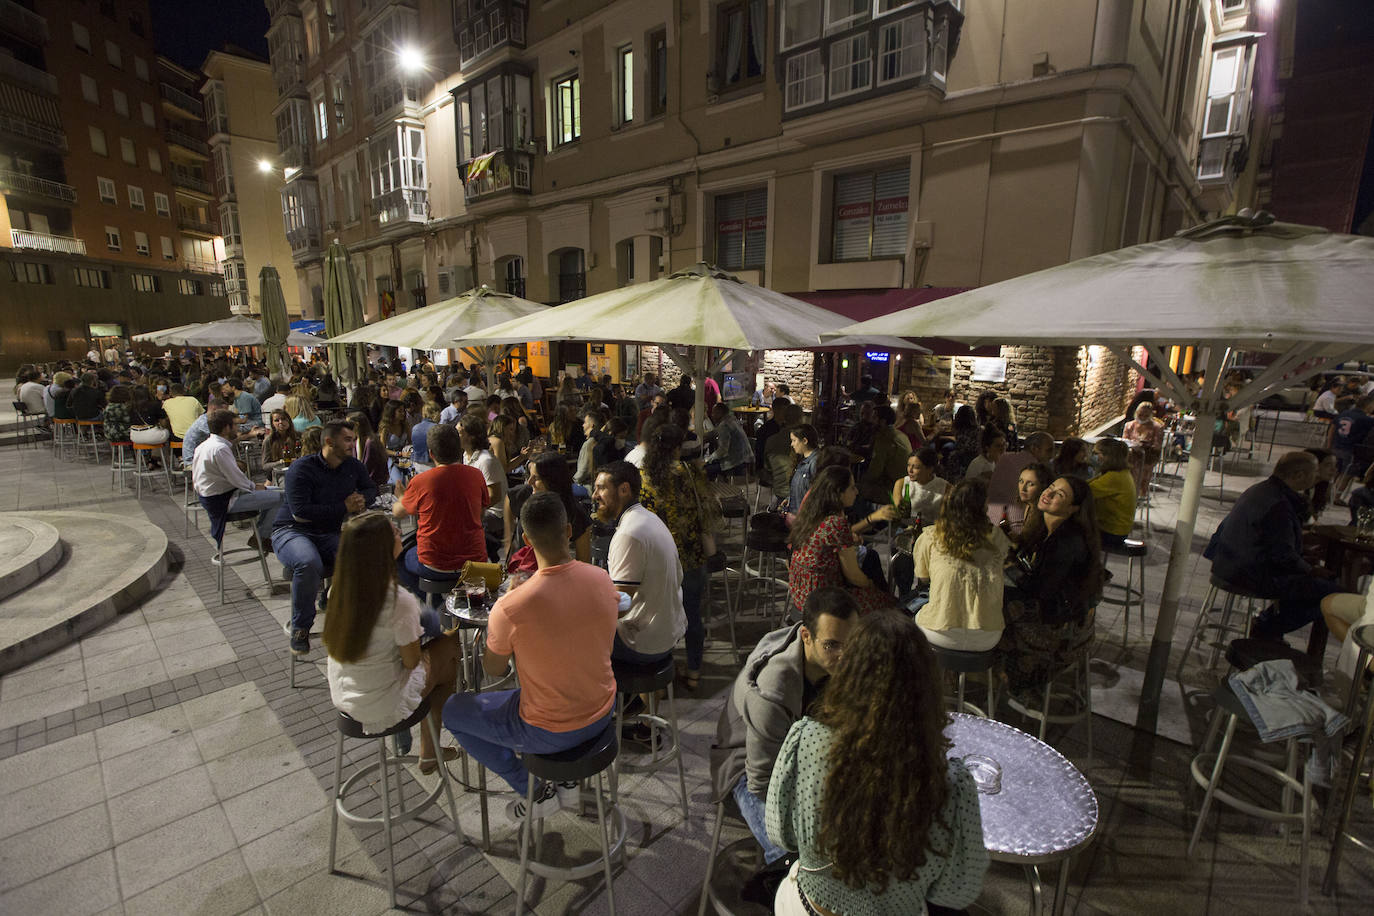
(863, 304)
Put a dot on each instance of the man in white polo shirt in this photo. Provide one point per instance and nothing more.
(221, 484)
(644, 564)
(472, 432)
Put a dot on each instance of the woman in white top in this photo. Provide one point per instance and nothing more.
(920, 492)
(378, 673)
(963, 557)
(994, 445)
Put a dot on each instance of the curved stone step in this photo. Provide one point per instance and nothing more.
(109, 564)
(29, 549)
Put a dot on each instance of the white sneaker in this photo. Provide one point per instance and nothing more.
(545, 803)
(569, 794)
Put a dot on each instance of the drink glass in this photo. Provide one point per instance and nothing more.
(1364, 524)
(986, 773)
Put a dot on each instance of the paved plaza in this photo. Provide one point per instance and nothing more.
(162, 763)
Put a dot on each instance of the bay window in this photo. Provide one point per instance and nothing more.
(397, 171)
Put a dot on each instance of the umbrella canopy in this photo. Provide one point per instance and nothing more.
(166, 335)
(1300, 292)
(275, 325)
(238, 331)
(343, 311)
(438, 326)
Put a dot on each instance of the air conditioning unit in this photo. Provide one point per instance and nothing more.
(656, 220)
(445, 279)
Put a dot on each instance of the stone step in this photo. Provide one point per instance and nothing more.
(29, 549)
(109, 564)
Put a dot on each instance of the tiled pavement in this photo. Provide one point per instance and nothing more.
(163, 764)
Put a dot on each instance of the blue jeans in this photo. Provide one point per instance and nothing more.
(1298, 603)
(489, 727)
(753, 808)
(620, 652)
(265, 502)
(308, 557)
(409, 571)
(693, 586)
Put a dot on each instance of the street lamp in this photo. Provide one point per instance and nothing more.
(264, 166)
(411, 59)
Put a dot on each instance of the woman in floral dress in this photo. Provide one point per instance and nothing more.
(824, 546)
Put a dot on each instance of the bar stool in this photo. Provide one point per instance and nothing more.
(1076, 697)
(142, 467)
(766, 535)
(1363, 637)
(964, 663)
(64, 434)
(1224, 625)
(121, 463)
(632, 678)
(351, 728)
(737, 861)
(591, 758)
(719, 564)
(218, 523)
(28, 423)
(85, 434)
(1134, 551)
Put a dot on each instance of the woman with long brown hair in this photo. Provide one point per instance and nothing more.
(863, 790)
(282, 444)
(824, 546)
(378, 671)
(370, 450)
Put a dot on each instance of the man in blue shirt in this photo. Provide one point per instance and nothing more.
(246, 406)
(196, 433)
(1348, 432)
(321, 491)
(262, 386)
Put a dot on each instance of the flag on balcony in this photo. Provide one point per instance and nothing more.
(478, 167)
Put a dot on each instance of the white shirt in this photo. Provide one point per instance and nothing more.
(980, 467)
(475, 395)
(492, 473)
(214, 470)
(643, 555)
(1326, 402)
(636, 456)
(31, 396)
(926, 499)
(275, 402)
(376, 689)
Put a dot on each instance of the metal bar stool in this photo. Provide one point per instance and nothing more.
(648, 679)
(219, 560)
(737, 861)
(85, 435)
(768, 540)
(142, 467)
(964, 663)
(1076, 698)
(1364, 638)
(1134, 551)
(121, 463)
(351, 728)
(1224, 624)
(27, 428)
(589, 759)
(64, 435)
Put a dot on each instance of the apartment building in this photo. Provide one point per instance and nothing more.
(239, 98)
(93, 245)
(184, 128)
(845, 150)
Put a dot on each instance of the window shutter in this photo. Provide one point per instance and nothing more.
(890, 213)
(853, 216)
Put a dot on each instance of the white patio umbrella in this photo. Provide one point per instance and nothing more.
(1245, 282)
(238, 331)
(166, 335)
(699, 307)
(436, 327)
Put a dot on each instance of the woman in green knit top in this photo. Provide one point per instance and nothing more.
(881, 819)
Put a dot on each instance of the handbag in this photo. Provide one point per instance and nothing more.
(490, 573)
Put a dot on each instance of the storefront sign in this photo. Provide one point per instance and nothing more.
(989, 369)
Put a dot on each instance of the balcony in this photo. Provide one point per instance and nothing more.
(33, 132)
(483, 26)
(29, 77)
(41, 241)
(196, 226)
(183, 177)
(503, 170)
(20, 183)
(187, 142)
(401, 207)
(178, 99)
(305, 242)
(297, 156)
(200, 266)
(23, 22)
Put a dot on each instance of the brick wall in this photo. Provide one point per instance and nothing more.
(1032, 373)
(795, 367)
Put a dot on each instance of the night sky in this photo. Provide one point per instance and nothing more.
(187, 31)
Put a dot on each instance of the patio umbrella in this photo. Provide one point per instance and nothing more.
(238, 331)
(276, 326)
(343, 311)
(166, 335)
(700, 307)
(436, 327)
(1299, 292)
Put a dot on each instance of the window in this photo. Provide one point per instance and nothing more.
(189, 287)
(91, 277)
(625, 91)
(112, 238)
(127, 151)
(741, 229)
(322, 119)
(397, 160)
(136, 198)
(658, 73)
(216, 110)
(141, 69)
(870, 210)
(217, 288)
(805, 83)
(740, 27)
(146, 283)
(332, 25)
(29, 272)
(801, 22)
(851, 65)
(312, 35)
(841, 14)
(154, 160)
(901, 50)
(98, 141)
(89, 90)
(1222, 116)
(349, 183)
(163, 205)
(121, 103)
(168, 253)
(107, 191)
(81, 37)
(57, 341)
(515, 277)
(567, 110)
(494, 114)
(224, 174)
(148, 117)
(112, 54)
(572, 275)
(229, 225)
(340, 84)
(141, 243)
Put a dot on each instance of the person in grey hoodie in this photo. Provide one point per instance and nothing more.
(784, 675)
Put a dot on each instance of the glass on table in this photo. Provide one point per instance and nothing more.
(1364, 524)
(986, 773)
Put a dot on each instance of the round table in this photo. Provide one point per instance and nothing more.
(1045, 810)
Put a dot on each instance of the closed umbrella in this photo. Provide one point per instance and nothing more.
(276, 327)
(1245, 282)
(343, 312)
(699, 307)
(438, 326)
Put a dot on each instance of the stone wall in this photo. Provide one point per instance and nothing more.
(1033, 374)
(798, 369)
(1104, 387)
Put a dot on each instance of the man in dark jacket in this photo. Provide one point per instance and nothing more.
(784, 675)
(1259, 547)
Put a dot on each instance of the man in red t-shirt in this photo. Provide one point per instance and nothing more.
(448, 501)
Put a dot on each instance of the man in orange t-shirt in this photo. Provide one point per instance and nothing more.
(560, 625)
(448, 500)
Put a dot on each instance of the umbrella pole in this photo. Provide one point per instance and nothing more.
(699, 399)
